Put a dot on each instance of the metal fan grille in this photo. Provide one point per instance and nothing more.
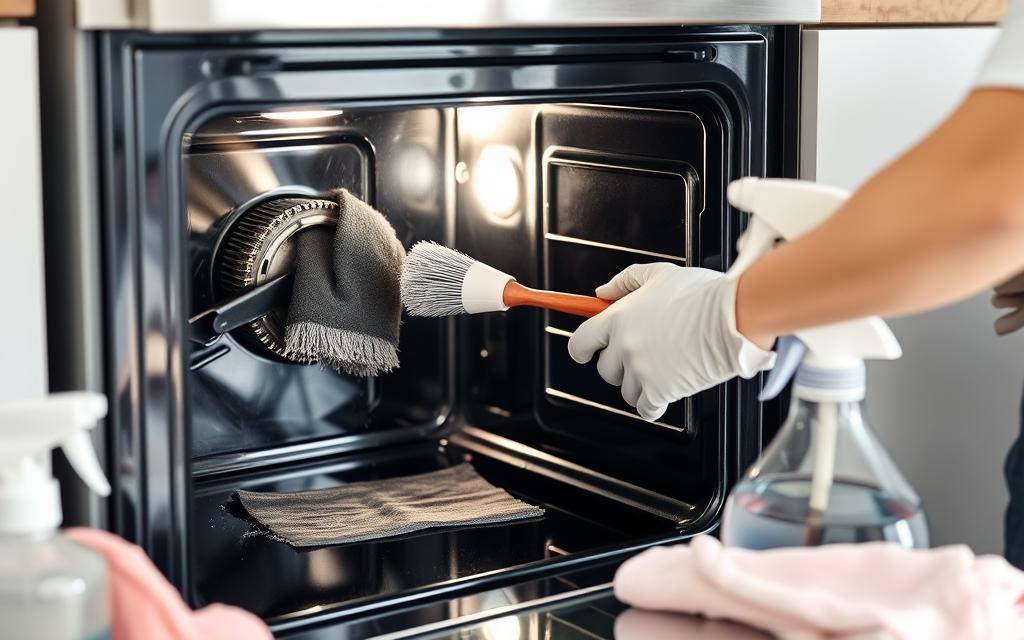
(256, 248)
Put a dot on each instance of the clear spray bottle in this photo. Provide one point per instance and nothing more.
(825, 478)
(50, 587)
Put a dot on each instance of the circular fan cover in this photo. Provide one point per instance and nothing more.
(258, 246)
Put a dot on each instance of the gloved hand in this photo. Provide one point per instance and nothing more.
(671, 334)
(1010, 295)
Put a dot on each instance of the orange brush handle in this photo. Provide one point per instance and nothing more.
(516, 295)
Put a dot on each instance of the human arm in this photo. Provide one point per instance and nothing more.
(941, 223)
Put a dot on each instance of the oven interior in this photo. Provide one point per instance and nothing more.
(563, 196)
(559, 157)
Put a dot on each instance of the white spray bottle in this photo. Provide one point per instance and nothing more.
(50, 588)
(825, 478)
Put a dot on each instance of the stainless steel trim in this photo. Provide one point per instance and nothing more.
(591, 243)
(253, 15)
(809, 105)
(597, 405)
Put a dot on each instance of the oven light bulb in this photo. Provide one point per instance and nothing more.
(496, 180)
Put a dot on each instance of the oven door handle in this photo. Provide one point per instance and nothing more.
(207, 327)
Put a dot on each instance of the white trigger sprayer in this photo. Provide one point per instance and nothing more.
(29, 429)
(825, 439)
(50, 586)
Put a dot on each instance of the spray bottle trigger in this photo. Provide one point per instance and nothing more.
(791, 351)
(78, 450)
(757, 240)
(87, 409)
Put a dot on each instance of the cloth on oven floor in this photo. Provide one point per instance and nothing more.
(869, 590)
(346, 304)
(144, 605)
(375, 509)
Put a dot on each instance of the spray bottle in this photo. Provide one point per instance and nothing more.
(825, 478)
(50, 587)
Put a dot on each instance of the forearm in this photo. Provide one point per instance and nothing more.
(940, 224)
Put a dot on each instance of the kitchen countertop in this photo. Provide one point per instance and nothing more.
(17, 8)
(863, 12)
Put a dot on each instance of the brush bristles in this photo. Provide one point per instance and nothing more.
(432, 280)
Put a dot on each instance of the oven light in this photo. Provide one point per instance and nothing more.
(507, 628)
(302, 115)
(496, 181)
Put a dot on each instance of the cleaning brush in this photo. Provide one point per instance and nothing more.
(439, 281)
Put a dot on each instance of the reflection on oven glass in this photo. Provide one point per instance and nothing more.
(507, 628)
(496, 180)
(416, 172)
(294, 116)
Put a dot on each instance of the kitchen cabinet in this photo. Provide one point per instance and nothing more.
(947, 410)
(23, 321)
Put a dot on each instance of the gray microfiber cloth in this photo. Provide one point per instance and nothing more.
(346, 303)
(362, 511)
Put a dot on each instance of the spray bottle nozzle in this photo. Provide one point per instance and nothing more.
(784, 210)
(29, 429)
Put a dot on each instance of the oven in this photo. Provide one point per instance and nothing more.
(559, 155)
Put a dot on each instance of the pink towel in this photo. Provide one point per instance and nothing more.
(146, 606)
(872, 590)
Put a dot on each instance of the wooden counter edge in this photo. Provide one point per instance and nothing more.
(912, 11)
(17, 8)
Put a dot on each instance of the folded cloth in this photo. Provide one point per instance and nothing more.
(362, 511)
(145, 605)
(870, 590)
(346, 303)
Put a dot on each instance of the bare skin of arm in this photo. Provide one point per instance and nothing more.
(943, 222)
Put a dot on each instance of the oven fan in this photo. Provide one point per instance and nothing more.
(257, 249)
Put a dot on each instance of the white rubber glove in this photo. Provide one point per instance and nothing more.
(671, 334)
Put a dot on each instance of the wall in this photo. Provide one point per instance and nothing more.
(947, 410)
(22, 317)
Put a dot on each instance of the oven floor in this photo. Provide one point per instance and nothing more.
(232, 565)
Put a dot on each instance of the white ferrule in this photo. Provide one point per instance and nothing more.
(829, 384)
(483, 289)
(815, 394)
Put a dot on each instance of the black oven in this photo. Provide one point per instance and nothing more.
(559, 156)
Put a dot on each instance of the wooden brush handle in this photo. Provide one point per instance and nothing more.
(516, 295)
